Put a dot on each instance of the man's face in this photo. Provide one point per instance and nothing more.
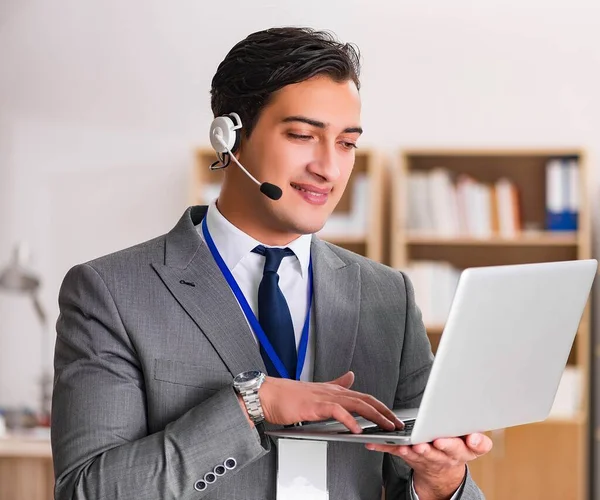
(304, 142)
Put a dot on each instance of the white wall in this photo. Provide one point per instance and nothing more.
(101, 103)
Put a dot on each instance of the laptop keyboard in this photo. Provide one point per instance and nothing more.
(407, 431)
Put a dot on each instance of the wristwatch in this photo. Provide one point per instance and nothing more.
(247, 384)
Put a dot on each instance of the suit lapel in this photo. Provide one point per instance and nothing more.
(210, 303)
(336, 306)
(213, 307)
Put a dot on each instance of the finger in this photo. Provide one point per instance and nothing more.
(447, 445)
(402, 451)
(455, 449)
(338, 412)
(346, 380)
(365, 410)
(431, 454)
(394, 449)
(384, 410)
(479, 444)
(379, 406)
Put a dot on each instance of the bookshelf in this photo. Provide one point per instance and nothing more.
(357, 223)
(548, 460)
(26, 469)
(540, 238)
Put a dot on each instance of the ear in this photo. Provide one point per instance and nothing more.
(242, 145)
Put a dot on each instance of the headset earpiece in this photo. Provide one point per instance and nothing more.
(225, 137)
(238, 131)
(228, 128)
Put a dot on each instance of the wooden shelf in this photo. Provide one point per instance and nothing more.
(22, 446)
(529, 451)
(493, 152)
(525, 239)
(578, 419)
(433, 329)
(26, 469)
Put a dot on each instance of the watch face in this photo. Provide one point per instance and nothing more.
(247, 376)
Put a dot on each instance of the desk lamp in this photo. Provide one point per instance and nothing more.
(18, 279)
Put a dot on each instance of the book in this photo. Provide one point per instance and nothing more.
(509, 217)
(435, 284)
(562, 194)
(440, 204)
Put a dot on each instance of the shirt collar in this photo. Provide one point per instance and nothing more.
(234, 244)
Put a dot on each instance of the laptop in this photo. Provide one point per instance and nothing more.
(500, 359)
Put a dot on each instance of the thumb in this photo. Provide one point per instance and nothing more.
(345, 380)
(479, 443)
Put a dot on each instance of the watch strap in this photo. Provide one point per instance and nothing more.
(253, 406)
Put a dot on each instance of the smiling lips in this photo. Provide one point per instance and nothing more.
(312, 194)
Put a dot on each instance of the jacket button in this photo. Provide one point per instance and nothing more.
(230, 463)
(220, 470)
(200, 485)
(210, 478)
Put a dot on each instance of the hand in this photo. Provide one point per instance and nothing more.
(287, 401)
(439, 467)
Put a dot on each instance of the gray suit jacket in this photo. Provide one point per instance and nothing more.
(143, 405)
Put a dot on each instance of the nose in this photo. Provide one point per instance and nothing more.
(325, 163)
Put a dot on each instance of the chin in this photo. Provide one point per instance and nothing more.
(305, 227)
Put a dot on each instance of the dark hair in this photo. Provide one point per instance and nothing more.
(268, 60)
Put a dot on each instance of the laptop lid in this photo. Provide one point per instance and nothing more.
(504, 347)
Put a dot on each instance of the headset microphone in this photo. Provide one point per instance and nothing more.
(224, 137)
(271, 190)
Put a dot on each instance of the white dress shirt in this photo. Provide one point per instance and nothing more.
(236, 247)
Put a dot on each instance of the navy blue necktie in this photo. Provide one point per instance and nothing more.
(274, 314)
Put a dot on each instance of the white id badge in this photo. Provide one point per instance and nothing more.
(302, 470)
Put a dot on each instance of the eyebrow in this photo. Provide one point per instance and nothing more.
(319, 124)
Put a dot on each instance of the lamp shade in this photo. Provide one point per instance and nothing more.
(15, 277)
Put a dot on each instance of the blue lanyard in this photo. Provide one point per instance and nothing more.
(250, 316)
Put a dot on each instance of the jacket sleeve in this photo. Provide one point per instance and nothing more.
(415, 366)
(100, 441)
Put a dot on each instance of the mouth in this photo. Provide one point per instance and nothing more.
(312, 194)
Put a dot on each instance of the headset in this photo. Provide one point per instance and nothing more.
(225, 138)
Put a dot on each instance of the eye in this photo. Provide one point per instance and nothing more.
(348, 145)
(300, 137)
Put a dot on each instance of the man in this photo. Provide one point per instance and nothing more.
(151, 338)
